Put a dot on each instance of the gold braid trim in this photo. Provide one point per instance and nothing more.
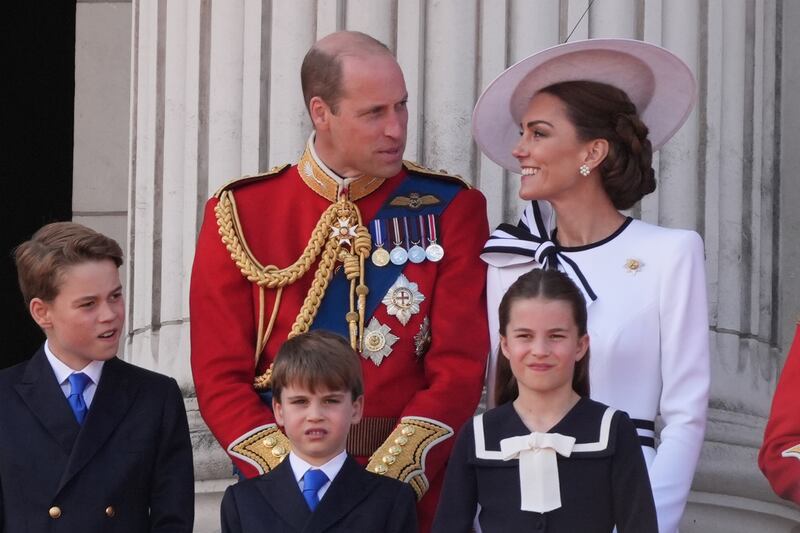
(264, 448)
(402, 455)
(333, 238)
(269, 276)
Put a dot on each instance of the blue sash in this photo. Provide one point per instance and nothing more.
(335, 303)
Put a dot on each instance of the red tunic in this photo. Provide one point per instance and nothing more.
(278, 214)
(779, 457)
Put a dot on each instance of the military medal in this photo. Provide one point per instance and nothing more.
(422, 340)
(380, 257)
(416, 254)
(403, 299)
(398, 256)
(434, 252)
(378, 341)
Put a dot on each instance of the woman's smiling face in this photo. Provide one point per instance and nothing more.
(549, 150)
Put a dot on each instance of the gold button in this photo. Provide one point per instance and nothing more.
(110, 512)
(401, 440)
(270, 442)
(408, 431)
(54, 512)
(395, 450)
(381, 469)
(278, 451)
(389, 459)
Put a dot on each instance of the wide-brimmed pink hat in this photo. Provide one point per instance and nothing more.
(657, 81)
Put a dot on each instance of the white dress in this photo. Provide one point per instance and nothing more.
(648, 327)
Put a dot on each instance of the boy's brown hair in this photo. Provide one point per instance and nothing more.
(317, 359)
(41, 261)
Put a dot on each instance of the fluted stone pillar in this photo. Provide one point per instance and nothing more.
(216, 94)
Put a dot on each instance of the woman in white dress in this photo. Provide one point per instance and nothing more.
(579, 122)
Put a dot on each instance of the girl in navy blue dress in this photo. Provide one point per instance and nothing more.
(547, 458)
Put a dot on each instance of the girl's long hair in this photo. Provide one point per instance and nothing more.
(548, 285)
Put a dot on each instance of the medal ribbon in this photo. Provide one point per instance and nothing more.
(378, 229)
(415, 236)
(432, 237)
(405, 230)
(397, 240)
(422, 238)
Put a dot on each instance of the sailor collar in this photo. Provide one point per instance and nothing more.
(597, 440)
(327, 183)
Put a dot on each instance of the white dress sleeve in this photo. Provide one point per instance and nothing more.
(686, 376)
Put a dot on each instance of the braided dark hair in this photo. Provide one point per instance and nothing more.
(601, 111)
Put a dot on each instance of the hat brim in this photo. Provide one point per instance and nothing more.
(659, 83)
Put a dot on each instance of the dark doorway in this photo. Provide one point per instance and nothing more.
(36, 112)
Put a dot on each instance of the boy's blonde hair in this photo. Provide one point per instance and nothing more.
(314, 360)
(41, 261)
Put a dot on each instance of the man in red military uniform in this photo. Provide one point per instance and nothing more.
(351, 239)
(779, 457)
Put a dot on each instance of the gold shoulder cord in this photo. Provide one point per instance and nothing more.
(339, 235)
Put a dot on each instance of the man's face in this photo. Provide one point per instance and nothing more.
(83, 323)
(317, 423)
(367, 134)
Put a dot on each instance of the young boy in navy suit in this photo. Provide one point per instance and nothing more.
(317, 392)
(88, 443)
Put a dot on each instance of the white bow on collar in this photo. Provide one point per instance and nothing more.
(540, 490)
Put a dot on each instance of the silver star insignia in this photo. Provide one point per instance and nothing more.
(403, 299)
(378, 341)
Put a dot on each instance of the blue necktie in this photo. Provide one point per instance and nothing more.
(77, 383)
(313, 480)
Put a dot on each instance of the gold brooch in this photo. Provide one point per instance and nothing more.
(633, 266)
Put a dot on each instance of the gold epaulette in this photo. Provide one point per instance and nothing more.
(441, 174)
(247, 178)
(402, 455)
(264, 447)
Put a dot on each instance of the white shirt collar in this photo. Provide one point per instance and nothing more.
(331, 468)
(94, 369)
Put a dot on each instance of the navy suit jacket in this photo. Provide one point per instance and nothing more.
(357, 501)
(127, 469)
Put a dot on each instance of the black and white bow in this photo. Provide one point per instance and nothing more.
(529, 241)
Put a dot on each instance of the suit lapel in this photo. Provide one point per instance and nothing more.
(349, 488)
(43, 395)
(113, 398)
(282, 493)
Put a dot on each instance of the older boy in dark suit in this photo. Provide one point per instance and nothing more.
(88, 443)
(317, 394)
